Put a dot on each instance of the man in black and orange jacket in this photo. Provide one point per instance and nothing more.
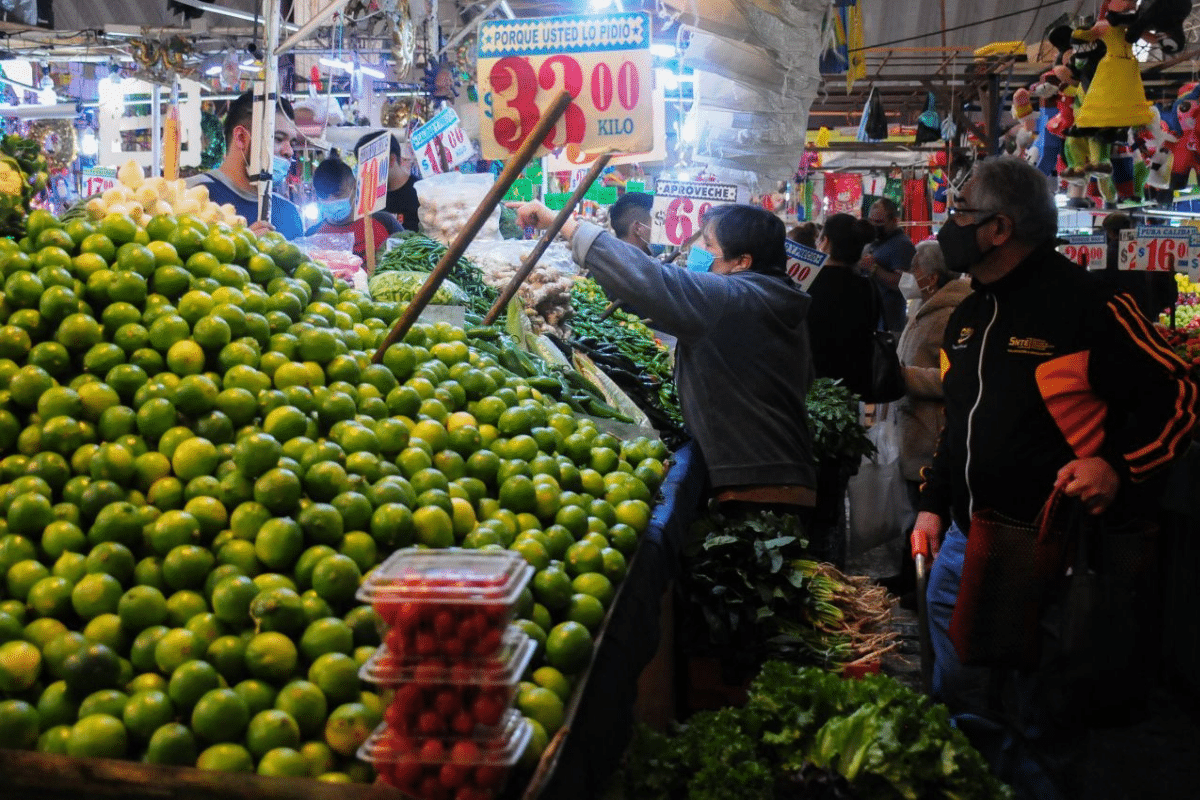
(1050, 379)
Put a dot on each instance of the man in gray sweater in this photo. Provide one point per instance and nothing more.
(742, 365)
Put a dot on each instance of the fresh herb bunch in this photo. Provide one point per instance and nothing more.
(808, 733)
(838, 434)
(22, 175)
(757, 593)
(416, 252)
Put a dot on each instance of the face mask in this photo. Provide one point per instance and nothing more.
(881, 232)
(335, 211)
(280, 167)
(909, 287)
(700, 260)
(959, 246)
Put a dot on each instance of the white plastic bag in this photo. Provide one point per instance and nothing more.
(880, 511)
(449, 200)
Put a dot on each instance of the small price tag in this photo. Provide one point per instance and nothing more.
(371, 189)
(441, 144)
(1193, 259)
(1154, 248)
(98, 179)
(1090, 251)
(679, 205)
(803, 263)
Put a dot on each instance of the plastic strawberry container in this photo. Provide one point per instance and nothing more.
(436, 697)
(450, 603)
(440, 768)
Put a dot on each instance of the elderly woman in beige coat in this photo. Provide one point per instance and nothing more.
(918, 414)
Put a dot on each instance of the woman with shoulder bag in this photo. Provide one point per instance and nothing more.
(918, 414)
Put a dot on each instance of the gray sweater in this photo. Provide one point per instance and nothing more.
(742, 364)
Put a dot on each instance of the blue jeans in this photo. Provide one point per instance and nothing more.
(998, 710)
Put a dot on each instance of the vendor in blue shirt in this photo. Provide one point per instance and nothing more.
(230, 182)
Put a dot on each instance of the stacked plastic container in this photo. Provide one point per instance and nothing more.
(449, 668)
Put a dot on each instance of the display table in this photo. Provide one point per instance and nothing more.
(603, 723)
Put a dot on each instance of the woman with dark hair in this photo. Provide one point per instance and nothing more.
(845, 305)
(742, 359)
(805, 233)
(333, 184)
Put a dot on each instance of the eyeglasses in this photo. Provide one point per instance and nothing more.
(956, 210)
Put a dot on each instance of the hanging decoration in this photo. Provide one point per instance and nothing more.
(843, 33)
(212, 134)
(56, 137)
(440, 81)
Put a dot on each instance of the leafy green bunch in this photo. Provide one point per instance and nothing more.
(749, 577)
(808, 733)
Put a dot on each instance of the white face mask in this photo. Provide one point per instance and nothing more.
(909, 287)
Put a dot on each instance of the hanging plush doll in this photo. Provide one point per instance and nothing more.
(1163, 19)
(1185, 151)
(938, 183)
(1115, 99)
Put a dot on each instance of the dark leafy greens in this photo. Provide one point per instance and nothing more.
(808, 733)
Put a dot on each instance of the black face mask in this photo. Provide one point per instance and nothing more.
(959, 245)
(881, 232)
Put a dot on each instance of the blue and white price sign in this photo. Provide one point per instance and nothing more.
(602, 60)
(1154, 248)
(440, 144)
(1090, 251)
(803, 263)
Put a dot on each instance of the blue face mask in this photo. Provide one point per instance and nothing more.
(280, 167)
(335, 212)
(700, 260)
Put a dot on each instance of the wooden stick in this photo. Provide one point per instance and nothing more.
(548, 235)
(512, 169)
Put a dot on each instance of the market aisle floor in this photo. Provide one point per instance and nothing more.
(1157, 759)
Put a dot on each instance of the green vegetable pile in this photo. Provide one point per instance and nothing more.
(807, 733)
(416, 252)
(556, 380)
(754, 595)
(629, 353)
(838, 435)
(22, 176)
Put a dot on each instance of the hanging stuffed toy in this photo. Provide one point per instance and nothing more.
(938, 184)
(1162, 22)
(1185, 151)
(1115, 99)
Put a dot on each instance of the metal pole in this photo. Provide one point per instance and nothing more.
(548, 235)
(266, 96)
(512, 170)
(156, 139)
(307, 28)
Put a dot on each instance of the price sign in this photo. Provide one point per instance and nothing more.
(803, 263)
(679, 205)
(602, 60)
(1153, 248)
(98, 179)
(1086, 251)
(371, 188)
(571, 157)
(1193, 261)
(440, 144)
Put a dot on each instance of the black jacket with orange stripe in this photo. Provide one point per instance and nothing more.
(1042, 367)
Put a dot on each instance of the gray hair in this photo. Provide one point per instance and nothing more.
(929, 252)
(1015, 188)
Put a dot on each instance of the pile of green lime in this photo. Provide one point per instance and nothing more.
(199, 463)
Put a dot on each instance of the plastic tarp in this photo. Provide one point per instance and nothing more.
(756, 75)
